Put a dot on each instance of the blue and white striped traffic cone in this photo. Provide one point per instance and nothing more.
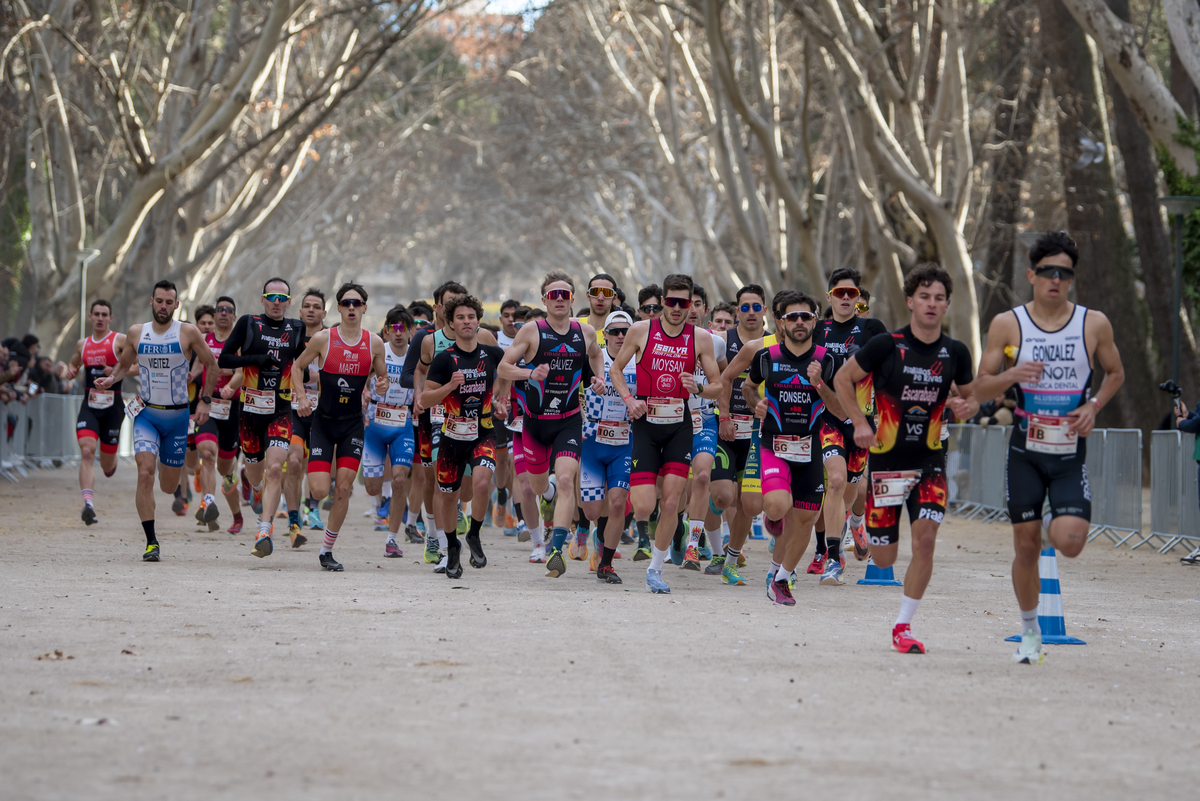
(1050, 608)
(879, 576)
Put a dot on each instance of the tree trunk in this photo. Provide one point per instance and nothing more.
(1016, 111)
(1106, 277)
(1153, 242)
(1182, 88)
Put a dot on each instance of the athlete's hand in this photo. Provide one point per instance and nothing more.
(814, 373)
(381, 385)
(201, 415)
(636, 407)
(1083, 419)
(864, 437)
(303, 405)
(540, 372)
(227, 392)
(104, 382)
(598, 385)
(959, 407)
(760, 409)
(457, 378)
(689, 383)
(70, 372)
(726, 429)
(1026, 372)
(418, 407)
(500, 408)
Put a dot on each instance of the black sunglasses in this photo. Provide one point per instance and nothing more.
(351, 303)
(1053, 271)
(651, 308)
(225, 310)
(617, 332)
(678, 303)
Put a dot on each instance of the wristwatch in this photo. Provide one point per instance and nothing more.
(206, 399)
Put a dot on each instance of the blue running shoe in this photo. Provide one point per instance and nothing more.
(314, 520)
(706, 552)
(770, 581)
(655, 583)
(675, 552)
(384, 509)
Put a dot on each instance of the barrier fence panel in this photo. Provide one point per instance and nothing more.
(7, 468)
(1094, 464)
(1122, 485)
(1189, 495)
(52, 430)
(975, 439)
(17, 420)
(1165, 483)
(995, 462)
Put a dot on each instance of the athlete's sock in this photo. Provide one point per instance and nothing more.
(293, 517)
(581, 520)
(657, 557)
(680, 533)
(601, 525)
(476, 525)
(731, 556)
(643, 527)
(855, 520)
(713, 536)
(775, 568)
(551, 490)
(87, 497)
(237, 517)
(443, 538)
(452, 538)
(537, 535)
(502, 497)
(1029, 621)
(209, 498)
(148, 527)
(819, 535)
(697, 529)
(330, 539)
(517, 511)
(833, 547)
(628, 520)
(387, 489)
(178, 492)
(908, 608)
(607, 556)
(264, 528)
(559, 537)
(404, 517)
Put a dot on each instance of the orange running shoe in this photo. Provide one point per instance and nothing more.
(196, 482)
(859, 533)
(904, 642)
(510, 521)
(817, 565)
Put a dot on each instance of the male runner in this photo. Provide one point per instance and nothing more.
(505, 450)
(1054, 344)
(556, 351)
(162, 349)
(842, 334)
(607, 453)
(666, 352)
(602, 299)
(226, 409)
(650, 304)
(730, 487)
(102, 411)
(312, 314)
(525, 504)
(202, 457)
(264, 346)
(912, 371)
(347, 355)
(724, 317)
(463, 380)
(389, 447)
(790, 409)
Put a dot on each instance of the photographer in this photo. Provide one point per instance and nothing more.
(1189, 423)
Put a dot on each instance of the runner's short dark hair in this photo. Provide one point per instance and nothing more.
(312, 292)
(511, 303)
(1051, 245)
(201, 311)
(790, 297)
(165, 284)
(844, 274)
(676, 281)
(350, 286)
(462, 300)
(925, 275)
(267, 283)
(750, 289)
(647, 292)
(453, 287)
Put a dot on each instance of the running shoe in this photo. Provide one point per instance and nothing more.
(314, 520)
(522, 532)
(391, 550)
(329, 563)
(731, 576)
(770, 581)
(859, 533)
(691, 558)
(643, 551)
(594, 561)
(675, 551)
(1029, 652)
(381, 524)
(706, 552)
(770, 545)
(555, 565)
(236, 526)
(606, 575)
(655, 583)
(385, 509)
(196, 482)
(151, 553)
(715, 567)
(453, 563)
(904, 642)
(228, 484)
(510, 524)
(297, 538)
(538, 556)
(817, 565)
(577, 549)
(213, 525)
(497, 514)
(256, 501)
(411, 533)
(431, 549)
(462, 527)
(832, 576)
(179, 506)
(441, 565)
(327, 504)
(547, 508)
(626, 539)
(263, 547)
(88, 515)
(782, 593)
(478, 559)
(246, 488)
(773, 527)
(207, 512)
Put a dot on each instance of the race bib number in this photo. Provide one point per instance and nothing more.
(220, 408)
(614, 409)
(612, 433)
(517, 424)
(464, 429)
(258, 401)
(391, 416)
(697, 422)
(743, 426)
(890, 489)
(437, 415)
(313, 397)
(191, 427)
(135, 406)
(792, 449)
(664, 411)
(1052, 435)
(100, 398)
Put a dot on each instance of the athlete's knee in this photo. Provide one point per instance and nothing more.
(273, 471)
(835, 483)
(884, 555)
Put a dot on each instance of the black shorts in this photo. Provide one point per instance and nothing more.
(425, 439)
(837, 439)
(925, 501)
(454, 456)
(330, 438)
(501, 436)
(660, 450)
(257, 432)
(545, 441)
(227, 432)
(101, 424)
(731, 459)
(1030, 477)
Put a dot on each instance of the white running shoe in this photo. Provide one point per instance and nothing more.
(1029, 652)
(441, 566)
(538, 556)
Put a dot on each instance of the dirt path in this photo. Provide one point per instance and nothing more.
(221, 676)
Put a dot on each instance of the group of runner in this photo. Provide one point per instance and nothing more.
(684, 431)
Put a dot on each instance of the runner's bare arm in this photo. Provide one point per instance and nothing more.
(595, 358)
(76, 360)
(825, 391)
(754, 399)
(379, 363)
(739, 365)
(635, 341)
(993, 380)
(1099, 330)
(230, 390)
(486, 337)
(127, 355)
(523, 348)
(314, 348)
(965, 405)
(421, 371)
(844, 383)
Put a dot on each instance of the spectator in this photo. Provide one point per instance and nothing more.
(1189, 423)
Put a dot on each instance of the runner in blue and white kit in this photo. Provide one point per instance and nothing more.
(163, 350)
(389, 438)
(607, 450)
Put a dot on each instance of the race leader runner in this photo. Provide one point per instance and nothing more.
(912, 371)
(1053, 345)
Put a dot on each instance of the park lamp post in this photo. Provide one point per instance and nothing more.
(85, 257)
(1178, 207)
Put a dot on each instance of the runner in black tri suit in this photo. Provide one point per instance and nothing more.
(912, 371)
(561, 354)
(463, 380)
(264, 346)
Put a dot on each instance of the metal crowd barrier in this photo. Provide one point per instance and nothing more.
(1174, 495)
(38, 434)
(975, 463)
(1119, 494)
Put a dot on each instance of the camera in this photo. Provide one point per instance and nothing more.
(1170, 386)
